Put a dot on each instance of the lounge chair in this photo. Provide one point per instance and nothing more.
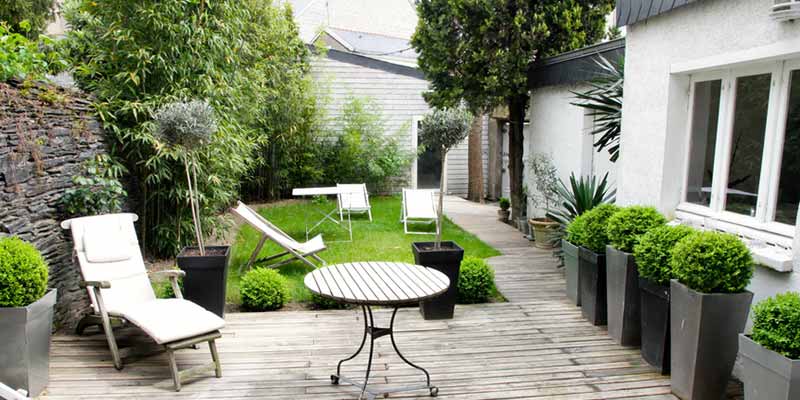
(294, 249)
(114, 274)
(419, 206)
(354, 198)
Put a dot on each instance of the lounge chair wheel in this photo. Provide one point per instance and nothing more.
(434, 391)
(334, 379)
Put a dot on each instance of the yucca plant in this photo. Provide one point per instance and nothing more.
(604, 102)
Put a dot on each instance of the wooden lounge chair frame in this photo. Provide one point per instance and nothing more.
(406, 219)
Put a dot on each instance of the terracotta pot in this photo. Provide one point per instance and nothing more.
(544, 231)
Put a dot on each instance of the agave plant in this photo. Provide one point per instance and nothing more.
(581, 195)
(604, 102)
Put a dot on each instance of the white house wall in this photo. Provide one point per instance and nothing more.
(656, 101)
(560, 130)
(400, 100)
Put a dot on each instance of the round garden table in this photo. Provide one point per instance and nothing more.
(378, 283)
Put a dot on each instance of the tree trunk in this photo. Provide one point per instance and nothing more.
(516, 113)
(475, 160)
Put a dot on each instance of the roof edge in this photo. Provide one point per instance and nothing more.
(583, 52)
(369, 62)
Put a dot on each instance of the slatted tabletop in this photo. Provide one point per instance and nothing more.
(377, 283)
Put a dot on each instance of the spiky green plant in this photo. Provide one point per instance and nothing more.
(604, 102)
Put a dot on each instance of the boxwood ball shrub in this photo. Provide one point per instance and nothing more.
(576, 230)
(475, 281)
(627, 225)
(776, 324)
(653, 252)
(712, 262)
(594, 236)
(23, 273)
(264, 289)
(323, 303)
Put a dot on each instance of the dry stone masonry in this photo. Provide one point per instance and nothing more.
(46, 132)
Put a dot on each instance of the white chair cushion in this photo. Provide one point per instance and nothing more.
(168, 320)
(313, 245)
(104, 246)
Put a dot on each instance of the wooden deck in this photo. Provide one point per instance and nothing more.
(536, 346)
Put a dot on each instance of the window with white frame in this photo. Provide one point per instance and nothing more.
(743, 163)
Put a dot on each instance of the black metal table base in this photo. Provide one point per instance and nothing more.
(375, 332)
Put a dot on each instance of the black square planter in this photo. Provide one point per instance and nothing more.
(572, 271)
(206, 279)
(655, 324)
(447, 260)
(624, 304)
(593, 286)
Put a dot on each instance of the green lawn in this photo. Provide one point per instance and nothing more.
(380, 240)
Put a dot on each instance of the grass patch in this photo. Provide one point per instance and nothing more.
(380, 240)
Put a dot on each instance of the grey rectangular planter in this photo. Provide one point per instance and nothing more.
(705, 332)
(767, 374)
(593, 286)
(572, 271)
(655, 324)
(624, 302)
(25, 347)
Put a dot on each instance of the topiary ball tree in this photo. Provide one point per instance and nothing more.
(23, 273)
(627, 225)
(443, 129)
(712, 262)
(776, 324)
(183, 128)
(594, 236)
(264, 289)
(475, 281)
(654, 250)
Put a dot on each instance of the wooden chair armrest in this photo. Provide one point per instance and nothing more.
(170, 273)
(97, 284)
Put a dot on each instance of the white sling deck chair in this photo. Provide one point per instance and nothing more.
(354, 198)
(294, 249)
(419, 206)
(114, 274)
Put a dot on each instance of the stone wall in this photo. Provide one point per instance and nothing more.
(46, 132)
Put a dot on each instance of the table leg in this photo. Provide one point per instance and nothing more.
(376, 332)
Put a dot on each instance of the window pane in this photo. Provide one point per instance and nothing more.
(704, 137)
(789, 187)
(747, 147)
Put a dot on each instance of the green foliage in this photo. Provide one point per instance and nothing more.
(776, 324)
(654, 251)
(23, 273)
(627, 225)
(481, 51)
(712, 262)
(187, 125)
(505, 203)
(243, 57)
(28, 16)
(264, 289)
(444, 128)
(323, 303)
(363, 151)
(545, 176)
(475, 281)
(603, 100)
(582, 195)
(589, 229)
(23, 58)
(97, 190)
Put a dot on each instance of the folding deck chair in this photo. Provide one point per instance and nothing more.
(354, 198)
(419, 207)
(294, 249)
(116, 279)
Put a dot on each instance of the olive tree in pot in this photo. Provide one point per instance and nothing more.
(771, 355)
(544, 229)
(652, 255)
(582, 195)
(503, 213)
(26, 316)
(183, 129)
(589, 232)
(708, 307)
(442, 129)
(624, 229)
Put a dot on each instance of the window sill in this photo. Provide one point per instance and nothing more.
(770, 243)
